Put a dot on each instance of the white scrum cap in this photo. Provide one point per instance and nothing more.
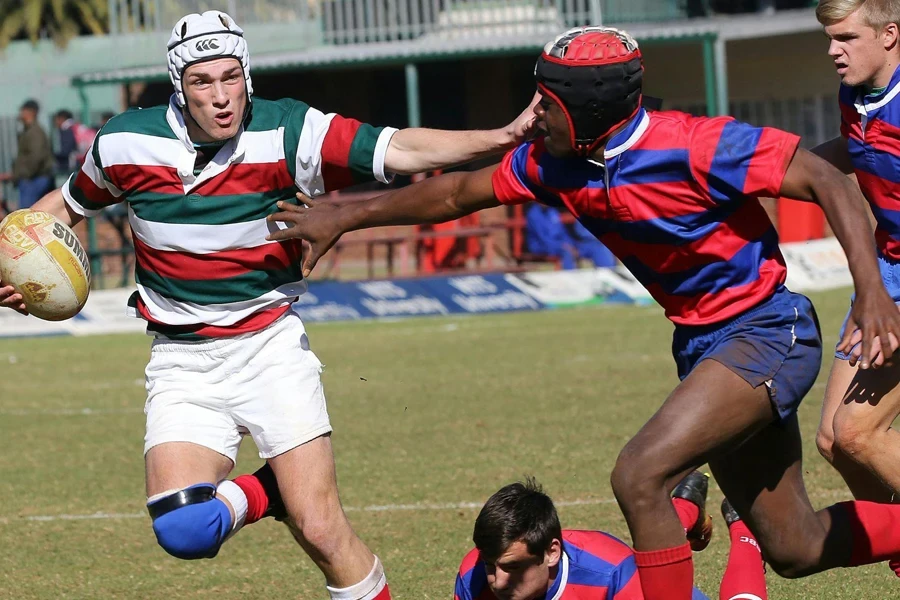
(198, 38)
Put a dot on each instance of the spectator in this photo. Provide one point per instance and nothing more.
(75, 141)
(67, 148)
(545, 234)
(33, 167)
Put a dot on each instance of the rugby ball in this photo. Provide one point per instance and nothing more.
(42, 258)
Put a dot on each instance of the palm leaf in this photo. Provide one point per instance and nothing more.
(89, 19)
(33, 9)
(59, 10)
(12, 25)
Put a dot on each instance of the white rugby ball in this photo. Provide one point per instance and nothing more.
(42, 258)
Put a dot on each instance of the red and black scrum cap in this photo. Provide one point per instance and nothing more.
(595, 75)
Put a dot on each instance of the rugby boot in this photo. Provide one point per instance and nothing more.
(694, 489)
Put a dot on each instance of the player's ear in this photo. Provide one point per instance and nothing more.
(890, 35)
(554, 553)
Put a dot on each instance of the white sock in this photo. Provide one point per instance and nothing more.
(230, 491)
(366, 589)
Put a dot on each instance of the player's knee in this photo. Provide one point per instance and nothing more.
(852, 438)
(635, 479)
(191, 523)
(323, 533)
(825, 442)
(792, 565)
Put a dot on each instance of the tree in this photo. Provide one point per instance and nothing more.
(59, 20)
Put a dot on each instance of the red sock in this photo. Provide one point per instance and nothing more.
(744, 575)
(876, 530)
(257, 501)
(666, 574)
(384, 594)
(895, 567)
(688, 513)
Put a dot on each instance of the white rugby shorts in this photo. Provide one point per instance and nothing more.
(266, 384)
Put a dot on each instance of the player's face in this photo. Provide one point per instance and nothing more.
(862, 55)
(216, 97)
(552, 122)
(519, 575)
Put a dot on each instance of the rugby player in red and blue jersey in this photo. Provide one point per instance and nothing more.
(522, 553)
(855, 434)
(675, 198)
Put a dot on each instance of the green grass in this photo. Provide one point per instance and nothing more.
(430, 412)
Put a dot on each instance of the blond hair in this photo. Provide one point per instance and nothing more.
(877, 14)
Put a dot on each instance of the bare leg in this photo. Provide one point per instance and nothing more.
(862, 483)
(308, 484)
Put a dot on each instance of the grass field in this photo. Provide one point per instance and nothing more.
(431, 416)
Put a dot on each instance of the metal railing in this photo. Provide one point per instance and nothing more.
(364, 21)
(161, 15)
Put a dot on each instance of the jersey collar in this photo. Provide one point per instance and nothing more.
(559, 584)
(867, 104)
(629, 136)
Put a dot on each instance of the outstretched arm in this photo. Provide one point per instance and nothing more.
(811, 178)
(417, 150)
(445, 198)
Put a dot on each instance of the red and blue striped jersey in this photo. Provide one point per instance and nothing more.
(594, 566)
(871, 124)
(677, 203)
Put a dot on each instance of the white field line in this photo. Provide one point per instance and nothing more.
(370, 509)
(68, 412)
(375, 508)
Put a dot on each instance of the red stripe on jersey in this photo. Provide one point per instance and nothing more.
(880, 192)
(704, 151)
(672, 133)
(884, 137)
(747, 224)
(336, 152)
(723, 305)
(599, 544)
(469, 561)
(99, 196)
(216, 265)
(255, 322)
(851, 124)
(761, 176)
(888, 246)
(681, 199)
(574, 590)
(253, 178)
(507, 187)
(142, 178)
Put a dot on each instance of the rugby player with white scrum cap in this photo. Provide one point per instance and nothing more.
(229, 357)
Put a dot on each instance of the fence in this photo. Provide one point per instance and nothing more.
(363, 21)
(160, 15)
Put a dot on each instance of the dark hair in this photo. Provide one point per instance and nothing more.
(65, 114)
(31, 105)
(517, 512)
